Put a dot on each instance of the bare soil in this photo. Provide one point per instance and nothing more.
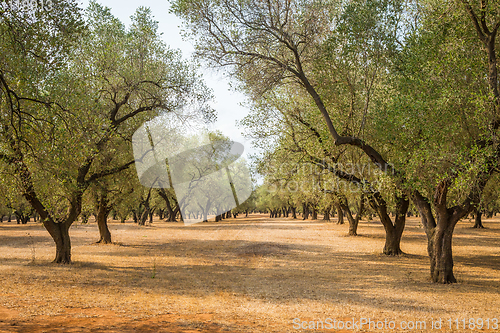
(240, 275)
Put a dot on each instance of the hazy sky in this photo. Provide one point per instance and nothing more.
(226, 102)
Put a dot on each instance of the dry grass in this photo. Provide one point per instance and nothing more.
(249, 275)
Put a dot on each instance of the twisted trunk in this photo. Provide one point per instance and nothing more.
(393, 234)
(58, 230)
(172, 213)
(60, 234)
(478, 223)
(439, 227)
(353, 221)
(439, 248)
(393, 230)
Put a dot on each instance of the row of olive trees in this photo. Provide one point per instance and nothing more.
(74, 86)
(409, 87)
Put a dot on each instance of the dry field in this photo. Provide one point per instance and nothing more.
(240, 275)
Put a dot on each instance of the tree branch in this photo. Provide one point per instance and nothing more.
(473, 16)
(109, 172)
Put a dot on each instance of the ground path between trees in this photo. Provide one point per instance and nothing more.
(240, 275)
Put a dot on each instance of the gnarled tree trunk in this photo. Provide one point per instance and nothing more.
(60, 234)
(439, 248)
(394, 231)
(353, 221)
(478, 223)
(440, 229)
(63, 244)
(172, 213)
(393, 234)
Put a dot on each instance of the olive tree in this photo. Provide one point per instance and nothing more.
(73, 90)
(267, 45)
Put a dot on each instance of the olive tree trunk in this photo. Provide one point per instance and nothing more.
(340, 213)
(353, 221)
(439, 248)
(478, 223)
(63, 244)
(102, 219)
(393, 230)
(439, 225)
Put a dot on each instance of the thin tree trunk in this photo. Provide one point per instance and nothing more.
(305, 211)
(102, 220)
(144, 217)
(314, 214)
(147, 209)
(151, 214)
(172, 213)
(353, 221)
(340, 213)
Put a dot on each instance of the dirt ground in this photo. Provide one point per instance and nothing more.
(244, 275)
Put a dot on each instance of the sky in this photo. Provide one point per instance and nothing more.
(227, 102)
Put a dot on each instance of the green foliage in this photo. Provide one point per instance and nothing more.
(75, 87)
(437, 107)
